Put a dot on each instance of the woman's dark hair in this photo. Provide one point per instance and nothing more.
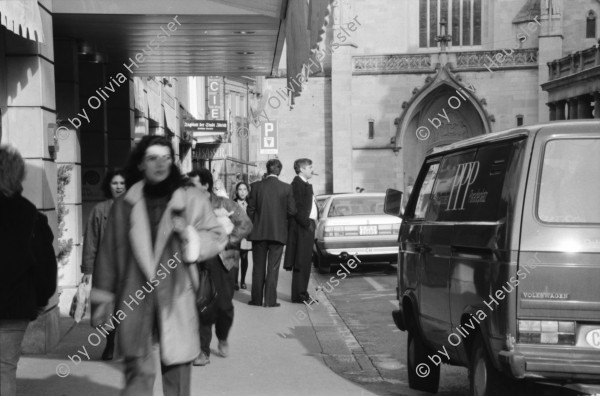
(205, 177)
(134, 174)
(108, 179)
(237, 197)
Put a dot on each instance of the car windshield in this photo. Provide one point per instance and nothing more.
(356, 206)
(569, 187)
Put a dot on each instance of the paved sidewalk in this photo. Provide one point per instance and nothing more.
(273, 351)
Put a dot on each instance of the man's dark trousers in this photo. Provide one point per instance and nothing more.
(266, 257)
(304, 238)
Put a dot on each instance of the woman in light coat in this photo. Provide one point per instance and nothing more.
(143, 279)
(113, 187)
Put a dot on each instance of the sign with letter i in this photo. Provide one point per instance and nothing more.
(268, 137)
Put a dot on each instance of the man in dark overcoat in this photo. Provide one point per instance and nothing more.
(301, 232)
(270, 203)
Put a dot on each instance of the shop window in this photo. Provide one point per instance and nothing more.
(590, 26)
(463, 16)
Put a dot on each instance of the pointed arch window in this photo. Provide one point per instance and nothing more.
(590, 25)
(464, 21)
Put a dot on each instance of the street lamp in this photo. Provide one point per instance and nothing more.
(443, 37)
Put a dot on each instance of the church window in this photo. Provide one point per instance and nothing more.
(590, 26)
(464, 22)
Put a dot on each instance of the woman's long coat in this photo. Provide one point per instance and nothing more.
(141, 282)
(94, 231)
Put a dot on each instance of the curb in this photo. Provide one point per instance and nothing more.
(341, 351)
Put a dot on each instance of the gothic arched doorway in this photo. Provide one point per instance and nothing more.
(443, 112)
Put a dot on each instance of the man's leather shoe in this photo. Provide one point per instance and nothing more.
(309, 300)
(253, 303)
(243, 286)
(202, 360)
(273, 306)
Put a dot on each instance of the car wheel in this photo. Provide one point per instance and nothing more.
(484, 379)
(423, 375)
(324, 264)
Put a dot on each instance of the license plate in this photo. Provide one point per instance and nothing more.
(367, 230)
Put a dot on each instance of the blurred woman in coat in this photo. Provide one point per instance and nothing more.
(143, 278)
(113, 187)
(28, 265)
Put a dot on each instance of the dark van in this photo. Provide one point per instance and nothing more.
(499, 260)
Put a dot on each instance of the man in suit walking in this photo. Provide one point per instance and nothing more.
(301, 232)
(270, 203)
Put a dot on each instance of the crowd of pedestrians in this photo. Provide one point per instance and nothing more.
(146, 251)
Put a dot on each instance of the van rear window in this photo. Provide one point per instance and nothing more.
(570, 182)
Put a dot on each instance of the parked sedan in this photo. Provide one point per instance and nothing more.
(354, 224)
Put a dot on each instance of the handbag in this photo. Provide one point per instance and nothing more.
(80, 301)
(206, 295)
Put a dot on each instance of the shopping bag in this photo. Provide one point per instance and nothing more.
(80, 301)
(206, 296)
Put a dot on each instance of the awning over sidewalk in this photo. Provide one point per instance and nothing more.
(22, 17)
(197, 38)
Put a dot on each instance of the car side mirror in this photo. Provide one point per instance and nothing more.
(393, 202)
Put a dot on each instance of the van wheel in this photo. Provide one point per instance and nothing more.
(423, 375)
(484, 379)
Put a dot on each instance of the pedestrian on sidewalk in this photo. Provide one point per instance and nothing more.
(241, 193)
(113, 187)
(270, 203)
(236, 182)
(221, 269)
(143, 275)
(28, 266)
(301, 234)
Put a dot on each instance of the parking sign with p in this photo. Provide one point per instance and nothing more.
(268, 137)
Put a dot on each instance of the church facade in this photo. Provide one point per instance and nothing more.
(400, 77)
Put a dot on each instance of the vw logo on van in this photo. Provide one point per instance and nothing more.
(593, 338)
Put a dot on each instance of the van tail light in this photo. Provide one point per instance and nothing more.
(546, 332)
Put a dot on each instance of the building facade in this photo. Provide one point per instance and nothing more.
(400, 77)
